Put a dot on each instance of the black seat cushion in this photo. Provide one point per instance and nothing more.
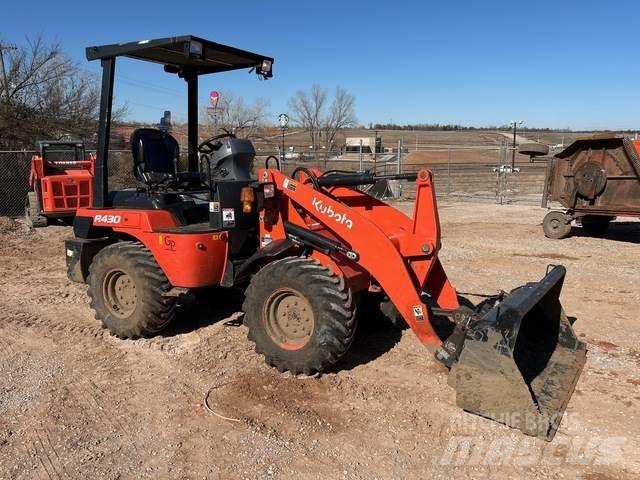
(154, 152)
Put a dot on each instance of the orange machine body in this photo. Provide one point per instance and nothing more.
(371, 230)
(189, 259)
(64, 186)
(367, 229)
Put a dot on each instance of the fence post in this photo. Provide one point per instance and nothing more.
(449, 171)
(375, 164)
(399, 155)
(284, 161)
(361, 155)
(502, 154)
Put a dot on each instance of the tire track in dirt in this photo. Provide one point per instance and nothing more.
(44, 452)
(100, 398)
(47, 435)
(91, 398)
(32, 454)
(24, 318)
(6, 350)
(66, 324)
(97, 359)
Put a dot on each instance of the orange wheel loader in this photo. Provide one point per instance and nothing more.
(307, 249)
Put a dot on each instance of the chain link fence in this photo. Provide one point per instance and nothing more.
(14, 181)
(460, 173)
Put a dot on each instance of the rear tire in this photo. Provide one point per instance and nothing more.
(32, 215)
(300, 315)
(595, 224)
(556, 225)
(126, 290)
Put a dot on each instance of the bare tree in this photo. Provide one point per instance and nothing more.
(46, 95)
(307, 111)
(236, 116)
(322, 121)
(341, 115)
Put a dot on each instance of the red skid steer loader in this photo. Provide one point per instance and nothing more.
(306, 249)
(60, 182)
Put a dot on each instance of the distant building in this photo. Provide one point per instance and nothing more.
(369, 145)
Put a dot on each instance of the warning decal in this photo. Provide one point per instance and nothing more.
(228, 217)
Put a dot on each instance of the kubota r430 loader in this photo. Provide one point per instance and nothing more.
(307, 249)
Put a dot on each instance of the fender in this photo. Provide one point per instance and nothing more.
(79, 255)
(274, 249)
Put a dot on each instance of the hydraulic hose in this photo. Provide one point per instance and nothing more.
(355, 179)
(308, 173)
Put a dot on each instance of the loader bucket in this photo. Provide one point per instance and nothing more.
(521, 361)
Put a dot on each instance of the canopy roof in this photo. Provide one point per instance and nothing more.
(185, 52)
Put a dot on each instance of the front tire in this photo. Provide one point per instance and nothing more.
(127, 291)
(300, 315)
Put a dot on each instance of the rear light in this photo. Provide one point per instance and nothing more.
(246, 197)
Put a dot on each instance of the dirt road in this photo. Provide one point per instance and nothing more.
(77, 403)
(519, 138)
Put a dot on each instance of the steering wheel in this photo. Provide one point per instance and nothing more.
(208, 146)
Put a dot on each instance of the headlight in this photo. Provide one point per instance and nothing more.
(195, 48)
(265, 67)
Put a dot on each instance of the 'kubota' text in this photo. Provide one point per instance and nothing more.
(327, 210)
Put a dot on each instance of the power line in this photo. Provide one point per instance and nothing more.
(147, 85)
(136, 82)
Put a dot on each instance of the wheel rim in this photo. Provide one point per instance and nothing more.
(289, 319)
(119, 293)
(554, 224)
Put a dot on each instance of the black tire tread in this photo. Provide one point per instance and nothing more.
(33, 215)
(334, 311)
(157, 309)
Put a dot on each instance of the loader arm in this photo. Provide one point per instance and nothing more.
(409, 247)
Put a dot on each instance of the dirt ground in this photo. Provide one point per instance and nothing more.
(77, 403)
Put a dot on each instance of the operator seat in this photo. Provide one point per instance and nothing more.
(155, 154)
(155, 159)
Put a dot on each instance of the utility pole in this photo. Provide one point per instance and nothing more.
(3, 74)
(375, 146)
(514, 124)
(283, 121)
